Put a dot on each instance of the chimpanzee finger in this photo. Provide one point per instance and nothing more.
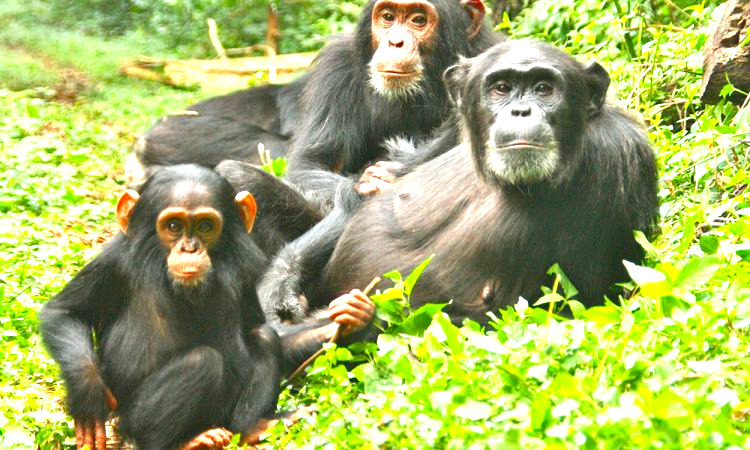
(220, 436)
(356, 298)
(88, 436)
(80, 433)
(381, 174)
(366, 188)
(365, 311)
(111, 400)
(353, 312)
(349, 324)
(353, 306)
(100, 435)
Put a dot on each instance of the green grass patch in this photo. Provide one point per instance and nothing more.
(20, 71)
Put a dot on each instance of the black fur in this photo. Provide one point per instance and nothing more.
(179, 361)
(495, 237)
(344, 121)
(226, 127)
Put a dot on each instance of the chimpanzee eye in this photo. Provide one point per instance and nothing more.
(419, 20)
(205, 226)
(543, 88)
(502, 88)
(174, 226)
(388, 17)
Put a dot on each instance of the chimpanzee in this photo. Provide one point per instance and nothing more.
(382, 81)
(179, 344)
(546, 173)
(225, 127)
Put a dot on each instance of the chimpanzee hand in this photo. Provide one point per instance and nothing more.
(378, 177)
(92, 432)
(213, 439)
(352, 311)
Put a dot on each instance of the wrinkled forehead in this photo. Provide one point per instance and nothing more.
(523, 57)
(191, 194)
(524, 53)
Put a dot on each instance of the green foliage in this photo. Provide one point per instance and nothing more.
(667, 366)
(19, 70)
(181, 25)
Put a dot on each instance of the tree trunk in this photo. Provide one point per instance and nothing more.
(725, 58)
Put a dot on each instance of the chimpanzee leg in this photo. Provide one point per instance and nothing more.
(260, 391)
(175, 403)
(283, 212)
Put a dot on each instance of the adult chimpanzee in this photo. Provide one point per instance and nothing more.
(226, 127)
(546, 173)
(382, 81)
(181, 349)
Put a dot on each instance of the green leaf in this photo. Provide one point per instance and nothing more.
(540, 412)
(697, 272)
(602, 315)
(576, 308)
(568, 288)
(648, 247)
(709, 244)
(643, 275)
(419, 320)
(411, 280)
(549, 298)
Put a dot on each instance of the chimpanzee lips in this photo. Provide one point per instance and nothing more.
(396, 73)
(189, 268)
(520, 145)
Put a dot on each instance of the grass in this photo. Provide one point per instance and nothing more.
(666, 367)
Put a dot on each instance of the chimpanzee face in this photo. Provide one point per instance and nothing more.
(525, 107)
(401, 31)
(189, 220)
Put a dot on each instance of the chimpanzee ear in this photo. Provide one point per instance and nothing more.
(598, 80)
(453, 77)
(125, 205)
(246, 202)
(476, 10)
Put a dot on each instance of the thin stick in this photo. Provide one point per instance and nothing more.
(334, 338)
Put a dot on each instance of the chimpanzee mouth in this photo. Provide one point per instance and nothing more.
(397, 74)
(522, 145)
(186, 274)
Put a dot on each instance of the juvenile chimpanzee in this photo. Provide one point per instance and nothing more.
(546, 173)
(181, 350)
(381, 81)
(179, 344)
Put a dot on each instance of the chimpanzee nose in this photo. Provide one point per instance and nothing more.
(522, 110)
(396, 39)
(190, 246)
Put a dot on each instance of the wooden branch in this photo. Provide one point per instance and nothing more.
(213, 35)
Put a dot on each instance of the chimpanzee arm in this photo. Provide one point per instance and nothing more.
(67, 322)
(299, 265)
(353, 311)
(332, 136)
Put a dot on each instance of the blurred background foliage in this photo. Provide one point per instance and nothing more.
(181, 24)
